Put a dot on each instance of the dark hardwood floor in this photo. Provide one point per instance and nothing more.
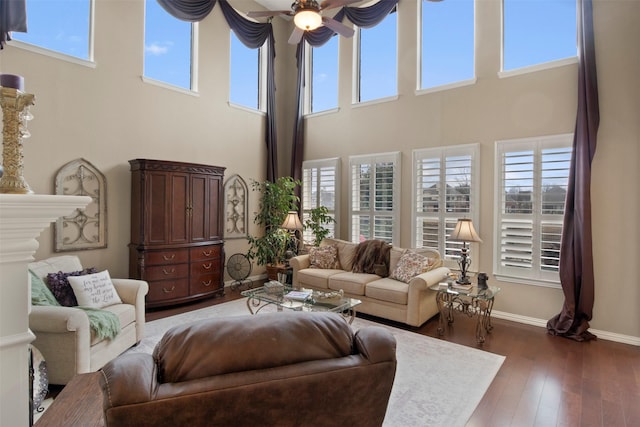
(544, 381)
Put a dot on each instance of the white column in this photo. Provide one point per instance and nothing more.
(22, 219)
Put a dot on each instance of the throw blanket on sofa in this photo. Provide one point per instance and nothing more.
(372, 256)
(104, 324)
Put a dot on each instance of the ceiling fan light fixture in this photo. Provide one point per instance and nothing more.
(307, 20)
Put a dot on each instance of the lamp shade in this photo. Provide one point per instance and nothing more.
(292, 221)
(464, 232)
(307, 20)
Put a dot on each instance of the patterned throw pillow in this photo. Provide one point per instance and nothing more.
(324, 257)
(410, 265)
(60, 287)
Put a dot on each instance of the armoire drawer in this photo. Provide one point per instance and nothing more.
(205, 267)
(172, 256)
(161, 290)
(166, 272)
(205, 252)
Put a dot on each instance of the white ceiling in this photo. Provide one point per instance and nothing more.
(275, 4)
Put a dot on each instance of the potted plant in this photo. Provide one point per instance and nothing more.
(318, 218)
(276, 200)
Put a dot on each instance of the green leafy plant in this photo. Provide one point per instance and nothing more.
(318, 218)
(277, 198)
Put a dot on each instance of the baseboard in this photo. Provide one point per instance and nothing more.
(605, 335)
(253, 279)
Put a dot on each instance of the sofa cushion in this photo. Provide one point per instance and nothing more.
(126, 314)
(316, 277)
(94, 290)
(59, 285)
(351, 283)
(396, 253)
(55, 264)
(324, 257)
(389, 290)
(191, 351)
(410, 265)
(346, 252)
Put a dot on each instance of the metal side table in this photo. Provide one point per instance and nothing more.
(473, 302)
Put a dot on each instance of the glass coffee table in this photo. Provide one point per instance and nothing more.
(472, 302)
(259, 298)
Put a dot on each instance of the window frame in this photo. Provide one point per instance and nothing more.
(263, 51)
(193, 66)
(308, 88)
(420, 66)
(337, 183)
(445, 248)
(371, 160)
(535, 275)
(88, 62)
(560, 62)
(357, 64)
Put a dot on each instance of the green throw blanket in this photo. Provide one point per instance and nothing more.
(104, 323)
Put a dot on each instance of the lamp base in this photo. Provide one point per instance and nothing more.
(463, 281)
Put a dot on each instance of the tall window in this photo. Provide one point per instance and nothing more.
(321, 187)
(538, 31)
(377, 57)
(245, 67)
(447, 42)
(375, 197)
(531, 186)
(445, 189)
(324, 76)
(60, 26)
(168, 47)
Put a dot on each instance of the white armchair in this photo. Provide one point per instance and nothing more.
(63, 335)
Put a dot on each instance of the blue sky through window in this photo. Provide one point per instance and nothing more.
(245, 74)
(58, 25)
(167, 47)
(324, 64)
(535, 31)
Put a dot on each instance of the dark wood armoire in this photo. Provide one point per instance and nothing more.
(176, 230)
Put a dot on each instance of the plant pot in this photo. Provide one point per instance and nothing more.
(273, 269)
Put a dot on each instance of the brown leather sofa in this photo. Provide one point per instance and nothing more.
(275, 369)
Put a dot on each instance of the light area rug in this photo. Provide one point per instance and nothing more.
(437, 383)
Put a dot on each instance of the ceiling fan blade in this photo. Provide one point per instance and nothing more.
(296, 36)
(260, 14)
(338, 27)
(330, 4)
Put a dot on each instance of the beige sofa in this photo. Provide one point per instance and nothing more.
(410, 303)
(63, 335)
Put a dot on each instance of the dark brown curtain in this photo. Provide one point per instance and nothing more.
(13, 17)
(576, 255)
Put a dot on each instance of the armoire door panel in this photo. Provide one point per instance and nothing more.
(199, 208)
(215, 217)
(156, 209)
(179, 225)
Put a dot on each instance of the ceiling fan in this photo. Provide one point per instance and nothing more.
(307, 16)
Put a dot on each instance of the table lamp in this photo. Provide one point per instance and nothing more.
(292, 223)
(464, 232)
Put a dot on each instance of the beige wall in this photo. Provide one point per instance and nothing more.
(534, 104)
(107, 115)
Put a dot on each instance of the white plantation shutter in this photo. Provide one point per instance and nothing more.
(321, 187)
(445, 187)
(531, 186)
(375, 197)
